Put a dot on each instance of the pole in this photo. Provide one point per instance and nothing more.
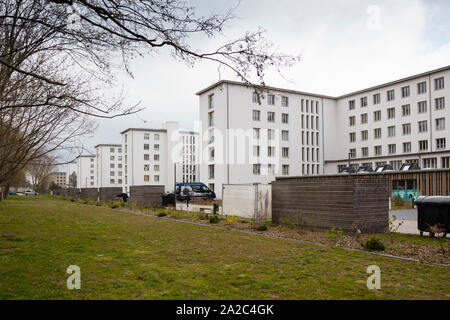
(175, 185)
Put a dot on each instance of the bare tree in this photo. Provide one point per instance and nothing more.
(39, 172)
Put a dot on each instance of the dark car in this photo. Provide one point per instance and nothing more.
(198, 190)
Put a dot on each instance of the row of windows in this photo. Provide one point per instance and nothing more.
(271, 151)
(112, 166)
(147, 178)
(270, 169)
(406, 111)
(392, 148)
(147, 167)
(147, 136)
(112, 158)
(405, 93)
(113, 150)
(112, 173)
(427, 163)
(147, 147)
(256, 98)
(147, 157)
(270, 116)
(406, 129)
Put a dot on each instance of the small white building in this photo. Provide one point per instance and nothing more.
(153, 156)
(109, 165)
(86, 171)
(71, 168)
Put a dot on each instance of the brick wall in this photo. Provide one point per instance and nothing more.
(327, 202)
(109, 193)
(149, 196)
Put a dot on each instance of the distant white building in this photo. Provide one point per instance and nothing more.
(108, 165)
(152, 156)
(250, 136)
(86, 171)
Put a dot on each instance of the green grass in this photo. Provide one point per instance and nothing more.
(126, 256)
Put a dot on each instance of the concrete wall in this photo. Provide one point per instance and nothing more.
(149, 196)
(327, 202)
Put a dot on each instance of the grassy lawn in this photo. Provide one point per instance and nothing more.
(126, 256)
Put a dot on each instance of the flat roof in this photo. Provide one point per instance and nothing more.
(322, 95)
(107, 145)
(144, 129)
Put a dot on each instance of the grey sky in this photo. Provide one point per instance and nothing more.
(344, 48)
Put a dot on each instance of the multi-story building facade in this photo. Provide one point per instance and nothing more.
(154, 156)
(59, 178)
(86, 171)
(251, 136)
(109, 165)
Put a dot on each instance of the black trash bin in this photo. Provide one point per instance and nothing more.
(433, 211)
(168, 199)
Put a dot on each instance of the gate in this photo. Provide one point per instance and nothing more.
(252, 201)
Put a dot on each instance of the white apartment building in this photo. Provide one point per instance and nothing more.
(154, 156)
(251, 136)
(108, 165)
(85, 171)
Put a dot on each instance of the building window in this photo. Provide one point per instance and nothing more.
(146, 146)
(146, 178)
(271, 151)
(439, 83)
(392, 148)
(285, 135)
(119, 150)
(351, 105)
(285, 152)
(211, 101)
(364, 135)
(156, 167)
(146, 136)
(156, 178)
(423, 145)
(406, 110)
(285, 118)
(255, 97)
(111, 165)
(256, 150)
(376, 115)
(156, 157)
(111, 158)
(391, 113)
(406, 147)
(271, 116)
(364, 118)
(430, 163)
(256, 169)
(406, 128)
(422, 106)
(440, 124)
(440, 143)
(285, 169)
(271, 168)
(146, 167)
(440, 103)
(146, 157)
(211, 171)
(390, 95)
(376, 98)
(111, 181)
(365, 152)
(352, 153)
(270, 134)
(271, 99)
(445, 162)
(256, 115)
(352, 121)
(211, 119)
(423, 126)
(377, 133)
(378, 150)
(363, 102)
(284, 101)
(421, 87)
(405, 92)
(156, 137)
(352, 136)
(256, 133)
(391, 131)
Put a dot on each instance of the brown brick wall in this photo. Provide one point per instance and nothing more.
(109, 193)
(149, 196)
(327, 202)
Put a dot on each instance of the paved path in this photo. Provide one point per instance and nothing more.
(404, 214)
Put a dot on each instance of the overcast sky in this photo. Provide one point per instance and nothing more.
(345, 46)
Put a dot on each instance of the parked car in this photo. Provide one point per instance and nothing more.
(30, 193)
(12, 193)
(197, 190)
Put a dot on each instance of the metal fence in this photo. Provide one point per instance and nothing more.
(253, 201)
